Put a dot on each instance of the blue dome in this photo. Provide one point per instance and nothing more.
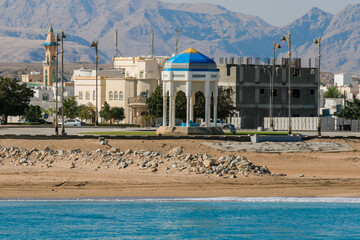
(190, 60)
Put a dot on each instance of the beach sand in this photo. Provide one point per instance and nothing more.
(325, 174)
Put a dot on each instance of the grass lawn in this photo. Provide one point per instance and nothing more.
(134, 133)
(259, 133)
(151, 133)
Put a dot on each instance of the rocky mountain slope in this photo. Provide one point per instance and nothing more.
(211, 29)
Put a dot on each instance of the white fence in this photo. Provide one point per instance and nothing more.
(328, 124)
(297, 123)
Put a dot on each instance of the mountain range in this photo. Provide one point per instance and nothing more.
(211, 29)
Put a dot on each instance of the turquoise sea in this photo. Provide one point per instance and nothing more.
(182, 218)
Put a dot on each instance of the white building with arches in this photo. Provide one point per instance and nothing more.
(126, 85)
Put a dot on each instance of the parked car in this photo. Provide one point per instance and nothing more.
(73, 122)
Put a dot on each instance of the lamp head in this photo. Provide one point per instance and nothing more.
(94, 44)
(278, 46)
(283, 39)
(63, 35)
(57, 38)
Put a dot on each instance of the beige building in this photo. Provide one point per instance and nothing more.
(126, 86)
(33, 77)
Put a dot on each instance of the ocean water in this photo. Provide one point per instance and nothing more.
(182, 218)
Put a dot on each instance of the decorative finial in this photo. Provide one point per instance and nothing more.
(51, 29)
(191, 50)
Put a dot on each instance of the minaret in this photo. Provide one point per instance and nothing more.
(49, 64)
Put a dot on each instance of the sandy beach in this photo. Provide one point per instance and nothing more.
(310, 174)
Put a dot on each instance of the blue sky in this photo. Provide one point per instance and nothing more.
(277, 12)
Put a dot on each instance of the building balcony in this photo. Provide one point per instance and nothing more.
(138, 101)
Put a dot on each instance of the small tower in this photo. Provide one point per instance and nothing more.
(49, 64)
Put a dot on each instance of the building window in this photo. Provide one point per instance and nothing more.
(80, 95)
(87, 95)
(296, 73)
(45, 71)
(116, 96)
(144, 94)
(94, 95)
(274, 92)
(262, 91)
(121, 96)
(296, 93)
(141, 75)
(111, 95)
(45, 97)
(312, 91)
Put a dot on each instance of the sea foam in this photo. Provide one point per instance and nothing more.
(214, 199)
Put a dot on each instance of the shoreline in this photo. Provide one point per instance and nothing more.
(353, 200)
(325, 174)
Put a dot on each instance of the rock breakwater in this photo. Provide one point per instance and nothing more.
(229, 166)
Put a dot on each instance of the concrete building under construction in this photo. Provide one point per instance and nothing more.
(251, 85)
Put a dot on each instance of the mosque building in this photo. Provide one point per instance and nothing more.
(49, 64)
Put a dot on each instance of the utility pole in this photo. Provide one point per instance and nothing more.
(288, 40)
(63, 36)
(95, 45)
(152, 44)
(177, 42)
(318, 42)
(117, 52)
(56, 85)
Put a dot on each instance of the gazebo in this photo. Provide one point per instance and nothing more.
(190, 72)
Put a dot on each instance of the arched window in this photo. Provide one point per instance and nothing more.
(121, 96)
(94, 95)
(116, 96)
(87, 95)
(80, 95)
(111, 95)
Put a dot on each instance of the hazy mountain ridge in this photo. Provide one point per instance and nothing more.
(212, 29)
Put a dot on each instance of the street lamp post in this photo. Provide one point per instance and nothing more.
(63, 36)
(95, 45)
(288, 40)
(276, 46)
(318, 42)
(56, 86)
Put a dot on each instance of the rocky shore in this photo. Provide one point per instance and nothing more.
(229, 166)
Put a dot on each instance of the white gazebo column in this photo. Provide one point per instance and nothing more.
(173, 111)
(170, 110)
(164, 104)
(188, 102)
(171, 104)
(192, 103)
(216, 93)
(207, 103)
